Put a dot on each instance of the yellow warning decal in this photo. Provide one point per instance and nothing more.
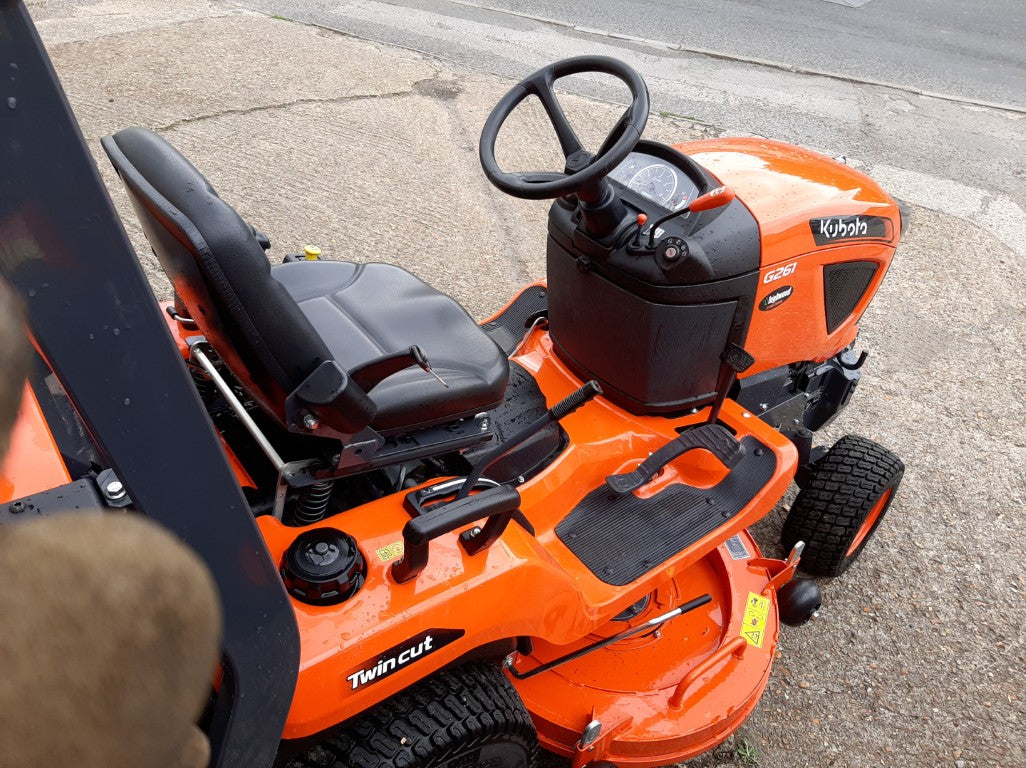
(753, 628)
(391, 552)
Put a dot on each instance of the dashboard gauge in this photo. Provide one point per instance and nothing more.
(657, 182)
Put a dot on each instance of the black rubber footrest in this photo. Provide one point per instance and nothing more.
(509, 328)
(621, 537)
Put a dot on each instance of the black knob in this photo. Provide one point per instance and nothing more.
(323, 567)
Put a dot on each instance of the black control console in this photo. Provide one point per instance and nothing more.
(647, 313)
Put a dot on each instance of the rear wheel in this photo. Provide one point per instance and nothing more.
(841, 504)
(458, 718)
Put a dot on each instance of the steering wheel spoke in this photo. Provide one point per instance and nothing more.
(540, 177)
(568, 140)
(616, 134)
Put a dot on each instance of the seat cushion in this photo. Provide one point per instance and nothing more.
(365, 311)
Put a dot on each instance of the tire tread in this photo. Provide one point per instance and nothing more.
(837, 497)
(460, 708)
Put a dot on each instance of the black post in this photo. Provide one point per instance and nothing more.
(94, 319)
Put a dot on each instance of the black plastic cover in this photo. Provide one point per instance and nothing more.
(648, 356)
(650, 331)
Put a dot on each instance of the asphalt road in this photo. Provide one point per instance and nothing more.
(971, 50)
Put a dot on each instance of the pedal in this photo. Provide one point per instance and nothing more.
(712, 437)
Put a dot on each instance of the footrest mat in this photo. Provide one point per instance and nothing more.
(620, 538)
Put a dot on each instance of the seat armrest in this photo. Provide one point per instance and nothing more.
(372, 373)
(329, 402)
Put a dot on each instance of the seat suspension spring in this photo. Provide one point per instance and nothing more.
(313, 502)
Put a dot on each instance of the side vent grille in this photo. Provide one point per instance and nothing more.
(844, 285)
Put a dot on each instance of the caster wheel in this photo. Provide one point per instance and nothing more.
(798, 601)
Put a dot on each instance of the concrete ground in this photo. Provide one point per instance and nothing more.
(370, 152)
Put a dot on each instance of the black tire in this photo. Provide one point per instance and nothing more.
(832, 513)
(458, 718)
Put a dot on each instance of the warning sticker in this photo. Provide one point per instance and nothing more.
(737, 548)
(753, 628)
(391, 552)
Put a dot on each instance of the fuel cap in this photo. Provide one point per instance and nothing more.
(323, 567)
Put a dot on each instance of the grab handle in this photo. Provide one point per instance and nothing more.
(728, 652)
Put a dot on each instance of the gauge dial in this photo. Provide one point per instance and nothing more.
(657, 182)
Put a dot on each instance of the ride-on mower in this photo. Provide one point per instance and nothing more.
(492, 536)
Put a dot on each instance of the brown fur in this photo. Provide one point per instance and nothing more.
(109, 643)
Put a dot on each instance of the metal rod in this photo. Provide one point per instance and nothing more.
(653, 622)
(233, 403)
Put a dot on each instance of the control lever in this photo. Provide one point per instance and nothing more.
(734, 359)
(372, 373)
(642, 218)
(714, 198)
(418, 357)
(559, 411)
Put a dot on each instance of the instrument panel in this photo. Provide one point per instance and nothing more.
(656, 180)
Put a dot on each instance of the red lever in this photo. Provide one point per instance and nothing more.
(714, 198)
(642, 218)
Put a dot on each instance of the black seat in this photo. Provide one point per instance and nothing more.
(335, 335)
(365, 311)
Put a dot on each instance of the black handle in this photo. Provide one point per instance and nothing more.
(437, 521)
(572, 402)
(563, 408)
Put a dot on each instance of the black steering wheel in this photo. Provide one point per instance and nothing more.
(583, 170)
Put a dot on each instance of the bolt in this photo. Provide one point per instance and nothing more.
(310, 422)
(114, 490)
(764, 406)
(16, 507)
(474, 531)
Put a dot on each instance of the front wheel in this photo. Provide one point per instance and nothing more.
(841, 504)
(456, 718)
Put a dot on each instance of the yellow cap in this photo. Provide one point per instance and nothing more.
(312, 252)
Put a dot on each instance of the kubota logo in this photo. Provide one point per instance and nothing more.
(834, 228)
(400, 656)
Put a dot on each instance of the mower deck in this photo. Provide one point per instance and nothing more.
(672, 692)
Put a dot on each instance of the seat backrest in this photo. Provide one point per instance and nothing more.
(217, 268)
